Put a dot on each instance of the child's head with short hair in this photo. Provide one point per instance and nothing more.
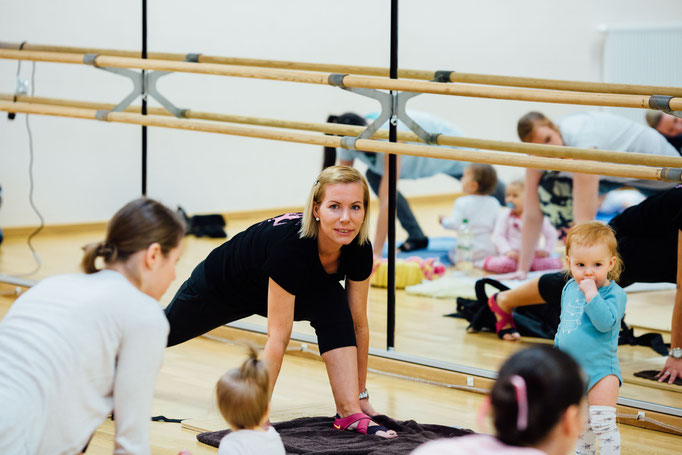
(536, 389)
(592, 252)
(244, 393)
(479, 179)
(513, 196)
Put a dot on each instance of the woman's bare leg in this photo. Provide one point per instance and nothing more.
(526, 294)
(342, 369)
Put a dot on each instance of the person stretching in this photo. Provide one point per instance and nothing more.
(289, 268)
(75, 348)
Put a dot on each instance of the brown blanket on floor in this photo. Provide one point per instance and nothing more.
(315, 435)
(651, 374)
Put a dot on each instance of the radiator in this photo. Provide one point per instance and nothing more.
(650, 55)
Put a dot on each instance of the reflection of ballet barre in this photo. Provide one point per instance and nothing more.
(440, 76)
(666, 103)
(350, 130)
(369, 145)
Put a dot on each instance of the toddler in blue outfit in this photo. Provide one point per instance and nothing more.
(592, 306)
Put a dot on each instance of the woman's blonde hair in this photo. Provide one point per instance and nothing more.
(243, 393)
(529, 122)
(653, 118)
(596, 233)
(331, 176)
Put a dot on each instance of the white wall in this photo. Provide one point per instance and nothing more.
(85, 170)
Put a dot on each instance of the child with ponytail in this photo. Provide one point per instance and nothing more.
(537, 409)
(244, 401)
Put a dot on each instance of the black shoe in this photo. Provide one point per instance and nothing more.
(412, 245)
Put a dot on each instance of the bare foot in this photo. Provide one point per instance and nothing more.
(501, 299)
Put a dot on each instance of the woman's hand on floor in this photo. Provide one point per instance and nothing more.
(671, 371)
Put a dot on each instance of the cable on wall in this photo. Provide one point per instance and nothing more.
(22, 87)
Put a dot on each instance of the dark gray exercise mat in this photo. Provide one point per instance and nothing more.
(315, 435)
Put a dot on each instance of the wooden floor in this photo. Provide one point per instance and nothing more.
(185, 386)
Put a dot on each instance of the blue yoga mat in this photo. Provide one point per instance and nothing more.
(438, 248)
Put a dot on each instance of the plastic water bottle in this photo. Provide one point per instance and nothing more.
(465, 239)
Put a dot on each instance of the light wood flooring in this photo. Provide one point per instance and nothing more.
(187, 378)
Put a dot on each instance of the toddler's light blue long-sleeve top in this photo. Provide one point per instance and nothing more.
(589, 331)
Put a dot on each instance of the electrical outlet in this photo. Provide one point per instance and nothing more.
(470, 381)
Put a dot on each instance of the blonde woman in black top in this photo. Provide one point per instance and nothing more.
(289, 268)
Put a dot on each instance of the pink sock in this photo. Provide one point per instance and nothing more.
(546, 264)
(499, 264)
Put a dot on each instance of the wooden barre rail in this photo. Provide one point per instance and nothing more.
(350, 130)
(369, 145)
(539, 95)
(471, 78)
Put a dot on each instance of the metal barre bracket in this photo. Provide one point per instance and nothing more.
(669, 174)
(192, 58)
(442, 76)
(336, 80)
(662, 103)
(392, 107)
(143, 83)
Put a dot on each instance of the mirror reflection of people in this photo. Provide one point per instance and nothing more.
(478, 209)
(537, 406)
(507, 237)
(650, 244)
(288, 268)
(668, 125)
(573, 198)
(75, 347)
(407, 167)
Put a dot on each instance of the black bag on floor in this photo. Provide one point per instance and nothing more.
(204, 225)
(540, 321)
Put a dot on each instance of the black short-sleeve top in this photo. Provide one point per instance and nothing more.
(273, 249)
(658, 216)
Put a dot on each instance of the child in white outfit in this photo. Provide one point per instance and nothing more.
(479, 208)
(244, 401)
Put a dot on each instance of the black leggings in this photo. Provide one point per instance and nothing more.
(198, 308)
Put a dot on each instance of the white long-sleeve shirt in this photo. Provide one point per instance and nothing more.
(72, 349)
(480, 212)
(252, 442)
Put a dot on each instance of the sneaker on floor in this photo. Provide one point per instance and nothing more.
(414, 244)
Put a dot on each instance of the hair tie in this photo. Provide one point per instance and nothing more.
(521, 401)
(107, 250)
(483, 412)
